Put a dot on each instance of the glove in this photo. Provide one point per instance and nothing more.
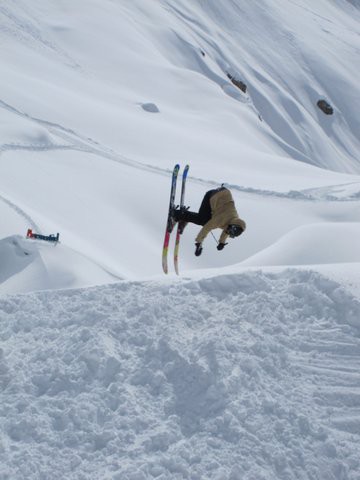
(198, 249)
(221, 246)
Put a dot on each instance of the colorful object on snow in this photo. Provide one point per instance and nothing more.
(37, 236)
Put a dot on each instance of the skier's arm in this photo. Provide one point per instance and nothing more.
(210, 225)
(223, 237)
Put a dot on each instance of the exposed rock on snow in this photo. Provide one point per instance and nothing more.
(325, 107)
(150, 107)
(238, 83)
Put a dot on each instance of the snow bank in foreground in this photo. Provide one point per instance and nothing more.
(250, 376)
(28, 265)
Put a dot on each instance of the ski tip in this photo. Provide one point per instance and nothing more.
(165, 266)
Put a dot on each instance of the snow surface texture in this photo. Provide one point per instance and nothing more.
(243, 368)
(29, 265)
(99, 99)
(257, 378)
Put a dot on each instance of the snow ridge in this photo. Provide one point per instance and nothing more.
(257, 379)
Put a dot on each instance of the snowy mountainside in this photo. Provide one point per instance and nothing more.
(258, 378)
(158, 57)
(242, 368)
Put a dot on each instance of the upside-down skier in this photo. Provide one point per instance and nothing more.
(217, 210)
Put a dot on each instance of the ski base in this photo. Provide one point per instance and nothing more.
(180, 225)
(169, 221)
(170, 224)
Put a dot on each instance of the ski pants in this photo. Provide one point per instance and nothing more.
(204, 214)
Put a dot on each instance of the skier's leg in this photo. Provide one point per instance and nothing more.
(199, 218)
(187, 216)
(205, 208)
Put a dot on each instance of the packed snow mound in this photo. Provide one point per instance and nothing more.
(27, 265)
(312, 244)
(247, 377)
(15, 256)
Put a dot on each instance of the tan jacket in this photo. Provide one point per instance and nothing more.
(223, 213)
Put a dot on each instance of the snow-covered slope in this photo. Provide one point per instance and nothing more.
(242, 368)
(313, 244)
(28, 265)
(109, 58)
(252, 376)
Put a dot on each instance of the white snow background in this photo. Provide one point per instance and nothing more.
(246, 366)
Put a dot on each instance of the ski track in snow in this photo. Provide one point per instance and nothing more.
(77, 142)
(81, 143)
(22, 213)
(25, 28)
(250, 376)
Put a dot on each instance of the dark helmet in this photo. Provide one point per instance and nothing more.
(234, 230)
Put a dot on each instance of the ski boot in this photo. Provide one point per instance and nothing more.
(171, 220)
(182, 225)
(178, 215)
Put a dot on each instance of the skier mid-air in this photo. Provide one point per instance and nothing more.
(217, 210)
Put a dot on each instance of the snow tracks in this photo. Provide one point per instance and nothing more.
(249, 376)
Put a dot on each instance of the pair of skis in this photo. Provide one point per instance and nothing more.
(170, 220)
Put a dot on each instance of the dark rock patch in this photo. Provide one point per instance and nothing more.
(325, 107)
